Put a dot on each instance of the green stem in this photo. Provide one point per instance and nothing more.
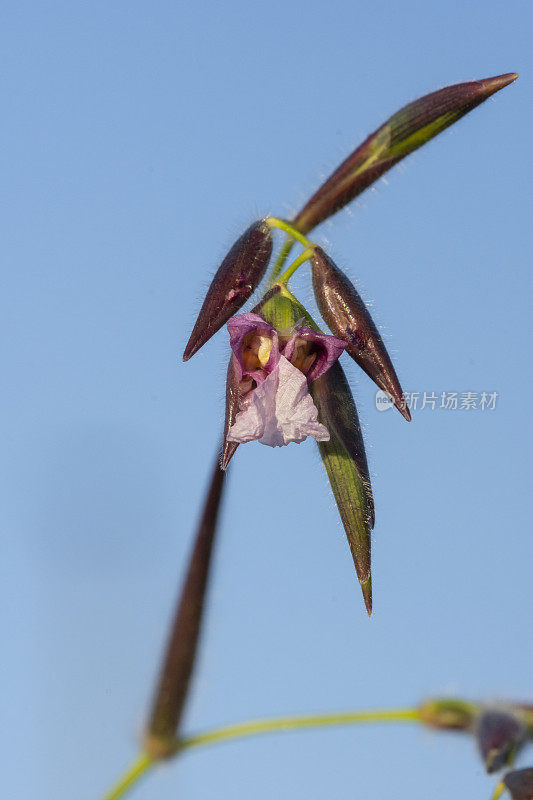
(282, 257)
(498, 791)
(292, 235)
(302, 258)
(279, 724)
(274, 222)
(243, 730)
(131, 776)
(501, 787)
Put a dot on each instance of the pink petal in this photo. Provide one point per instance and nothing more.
(280, 411)
(328, 347)
(239, 327)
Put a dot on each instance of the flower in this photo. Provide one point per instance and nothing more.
(273, 371)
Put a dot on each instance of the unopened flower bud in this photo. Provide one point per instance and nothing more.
(235, 281)
(348, 318)
(410, 128)
(519, 782)
(499, 734)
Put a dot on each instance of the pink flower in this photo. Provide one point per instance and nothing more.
(274, 370)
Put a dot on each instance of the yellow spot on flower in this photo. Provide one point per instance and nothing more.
(256, 351)
(303, 356)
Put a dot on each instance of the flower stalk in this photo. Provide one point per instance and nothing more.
(244, 730)
(138, 769)
(446, 714)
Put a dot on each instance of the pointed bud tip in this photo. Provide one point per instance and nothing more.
(404, 411)
(506, 79)
(189, 351)
(228, 451)
(366, 588)
(397, 399)
(492, 85)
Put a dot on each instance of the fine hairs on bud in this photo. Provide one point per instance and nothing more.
(233, 284)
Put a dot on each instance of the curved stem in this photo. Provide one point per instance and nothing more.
(279, 724)
(302, 258)
(274, 222)
(292, 235)
(131, 776)
(243, 730)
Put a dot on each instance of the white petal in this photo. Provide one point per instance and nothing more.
(281, 411)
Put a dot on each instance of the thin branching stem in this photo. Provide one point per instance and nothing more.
(293, 234)
(243, 730)
(498, 791)
(274, 222)
(139, 768)
(289, 272)
(280, 724)
(282, 257)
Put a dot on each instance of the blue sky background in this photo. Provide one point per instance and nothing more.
(138, 141)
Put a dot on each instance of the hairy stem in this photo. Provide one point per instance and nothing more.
(274, 222)
(282, 257)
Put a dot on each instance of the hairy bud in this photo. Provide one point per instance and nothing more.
(410, 128)
(234, 283)
(348, 318)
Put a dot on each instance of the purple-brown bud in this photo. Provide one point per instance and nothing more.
(348, 318)
(519, 782)
(234, 283)
(410, 128)
(499, 734)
